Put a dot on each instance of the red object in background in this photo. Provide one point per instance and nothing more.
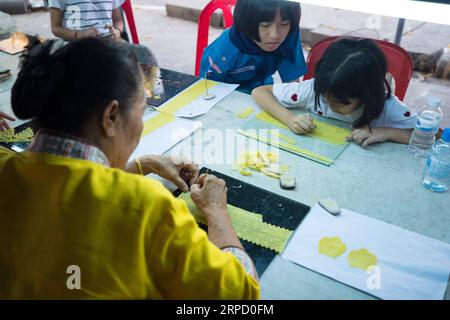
(128, 10)
(400, 64)
(203, 25)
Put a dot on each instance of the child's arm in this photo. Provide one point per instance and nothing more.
(56, 18)
(365, 138)
(265, 98)
(118, 26)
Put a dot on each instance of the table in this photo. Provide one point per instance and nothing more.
(382, 182)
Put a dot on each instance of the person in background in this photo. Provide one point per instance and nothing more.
(74, 19)
(264, 39)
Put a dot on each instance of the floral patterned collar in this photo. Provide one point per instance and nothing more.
(68, 147)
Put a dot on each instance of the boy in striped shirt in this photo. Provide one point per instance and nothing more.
(75, 19)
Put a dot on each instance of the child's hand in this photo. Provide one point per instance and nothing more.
(115, 33)
(3, 124)
(91, 32)
(364, 137)
(302, 124)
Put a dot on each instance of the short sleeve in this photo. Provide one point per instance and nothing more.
(57, 4)
(291, 71)
(295, 95)
(118, 3)
(396, 114)
(185, 265)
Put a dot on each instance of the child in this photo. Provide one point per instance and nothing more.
(75, 19)
(265, 38)
(349, 85)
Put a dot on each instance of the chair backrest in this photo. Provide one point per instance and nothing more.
(128, 10)
(400, 64)
(203, 25)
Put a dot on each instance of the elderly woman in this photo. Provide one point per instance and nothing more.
(72, 206)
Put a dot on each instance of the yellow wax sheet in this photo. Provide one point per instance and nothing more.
(331, 247)
(157, 122)
(248, 226)
(303, 152)
(244, 114)
(186, 97)
(283, 137)
(324, 131)
(10, 135)
(362, 259)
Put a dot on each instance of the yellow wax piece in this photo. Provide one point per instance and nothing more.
(331, 247)
(362, 259)
(245, 113)
(10, 135)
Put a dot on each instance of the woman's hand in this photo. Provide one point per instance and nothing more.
(178, 170)
(302, 124)
(364, 137)
(210, 195)
(3, 124)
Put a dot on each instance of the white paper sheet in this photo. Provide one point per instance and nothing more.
(411, 266)
(164, 138)
(198, 105)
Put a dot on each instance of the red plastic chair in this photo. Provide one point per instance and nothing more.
(203, 25)
(128, 10)
(400, 64)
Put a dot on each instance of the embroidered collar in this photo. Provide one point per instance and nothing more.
(46, 142)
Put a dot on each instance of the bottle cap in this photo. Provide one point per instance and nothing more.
(446, 135)
(434, 102)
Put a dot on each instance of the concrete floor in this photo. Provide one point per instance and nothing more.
(174, 40)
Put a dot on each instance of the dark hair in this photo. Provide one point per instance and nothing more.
(354, 68)
(248, 14)
(63, 88)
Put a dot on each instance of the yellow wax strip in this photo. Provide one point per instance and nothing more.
(245, 113)
(302, 152)
(324, 131)
(330, 133)
(10, 135)
(283, 137)
(186, 97)
(156, 123)
(248, 226)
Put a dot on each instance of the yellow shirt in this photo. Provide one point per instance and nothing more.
(130, 238)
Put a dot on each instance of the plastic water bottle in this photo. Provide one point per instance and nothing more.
(427, 126)
(436, 176)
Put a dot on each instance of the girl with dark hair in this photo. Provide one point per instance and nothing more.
(349, 85)
(264, 39)
(72, 202)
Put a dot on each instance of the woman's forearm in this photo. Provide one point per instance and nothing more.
(220, 229)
